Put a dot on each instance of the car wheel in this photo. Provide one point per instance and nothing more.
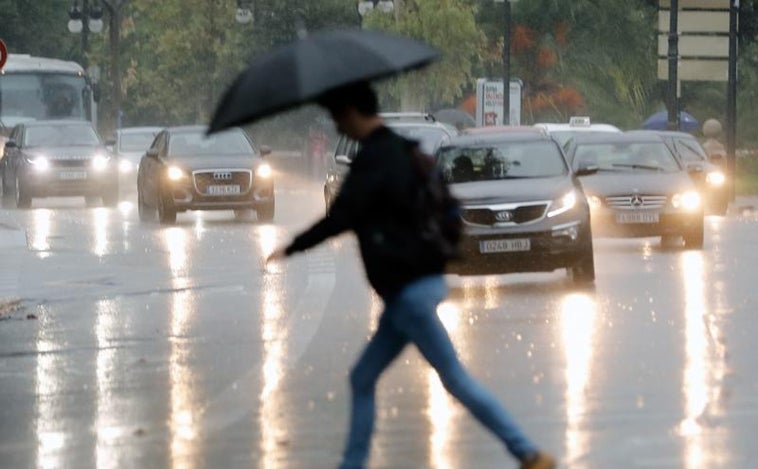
(243, 214)
(23, 198)
(166, 210)
(694, 237)
(146, 213)
(266, 211)
(582, 272)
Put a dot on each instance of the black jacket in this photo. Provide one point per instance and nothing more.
(375, 203)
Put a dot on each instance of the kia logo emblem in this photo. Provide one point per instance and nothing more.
(226, 176)
(504, 216)
(637, 201)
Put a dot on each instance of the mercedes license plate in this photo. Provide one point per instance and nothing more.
(504, 245)
(637, 217)
(72, 175)
(231, 189)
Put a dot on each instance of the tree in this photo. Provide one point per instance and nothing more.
(37, 28)
(448, 25)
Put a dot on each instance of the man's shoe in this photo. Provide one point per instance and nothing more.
(538, 461)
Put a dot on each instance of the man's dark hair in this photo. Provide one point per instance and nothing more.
(359, 96)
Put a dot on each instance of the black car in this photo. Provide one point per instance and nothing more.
(57, 159)
(523, 208)
(640, 188)
(709, 177)
(420, 127)
(185, 169)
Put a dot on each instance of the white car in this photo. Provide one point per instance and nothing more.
(563, 132)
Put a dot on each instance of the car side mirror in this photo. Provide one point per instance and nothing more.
(586, 170)
(265, 150)
(342, 160)
(152, 153)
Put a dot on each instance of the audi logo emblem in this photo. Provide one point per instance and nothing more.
(637, 201)
(222, 176)
(504, 216)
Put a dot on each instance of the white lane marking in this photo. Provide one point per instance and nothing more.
(236, 400)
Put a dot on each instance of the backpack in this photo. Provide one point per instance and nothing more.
(437, 211)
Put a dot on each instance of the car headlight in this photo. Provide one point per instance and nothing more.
(562, 204)
(99, 163)
(125, 166)
(595, 202)
(715, 178)
(689, 201)
(40, 163)
(174, 173)
(264, 171)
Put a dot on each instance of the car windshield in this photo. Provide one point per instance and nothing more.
(691, 151)
(60, 135)
(136, 141)
(429, 138)
(505, 160)
(626, 156)
(199, 144)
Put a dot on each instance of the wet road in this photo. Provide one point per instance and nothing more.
(172, 347)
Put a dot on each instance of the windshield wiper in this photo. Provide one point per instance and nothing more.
(638, 166)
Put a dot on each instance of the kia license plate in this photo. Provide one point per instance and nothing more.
(231, 189)
(493, 246)
(637, 217)
(72, 175)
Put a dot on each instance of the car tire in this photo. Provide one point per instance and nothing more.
(582, 272)
(166, 210)
(146, 213)
(694, 237)
(244, 214)
(22, 197)
(266, 211)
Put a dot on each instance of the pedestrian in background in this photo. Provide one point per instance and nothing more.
(374, 203)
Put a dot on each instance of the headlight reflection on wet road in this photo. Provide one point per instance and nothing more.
(51, 439)
(40, 232)
(107, 425)
(100, 222)
(578, 322)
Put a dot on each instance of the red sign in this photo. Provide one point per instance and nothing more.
(3, 53)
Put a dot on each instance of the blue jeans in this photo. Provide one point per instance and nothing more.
(411, 316)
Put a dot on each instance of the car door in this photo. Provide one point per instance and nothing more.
(150, 169)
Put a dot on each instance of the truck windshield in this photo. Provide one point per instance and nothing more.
(39, 96)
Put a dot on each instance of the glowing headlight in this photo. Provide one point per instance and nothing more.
(594, 202)
(125, 166)
(689, 201)
(99, 163)
(264, 171)
(40, 163)
(562, 205)
(175, 173)
(715, 178)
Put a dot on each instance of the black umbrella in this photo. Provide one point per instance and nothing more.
(306, 69)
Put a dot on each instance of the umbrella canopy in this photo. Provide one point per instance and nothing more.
(455, 117)
(306, 69)
(660, 120)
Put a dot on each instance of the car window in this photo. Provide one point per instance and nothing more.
(505, 160)
(690, 150)
(135, 141)
(60, 135)
(353, 150)
(626, 156)
(199, 144)
(341, 146)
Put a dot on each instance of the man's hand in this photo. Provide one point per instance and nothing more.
(277, 255)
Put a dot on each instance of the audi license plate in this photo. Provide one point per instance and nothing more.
(505, 245)
(72, 175)
(637, 217)
(231, 189)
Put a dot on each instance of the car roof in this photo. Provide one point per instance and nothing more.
(554, 127)
(130, 130)
(503, 129)
(41, 123)
(513, 136)
(612, 137)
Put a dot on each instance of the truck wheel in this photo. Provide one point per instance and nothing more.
(583, 271)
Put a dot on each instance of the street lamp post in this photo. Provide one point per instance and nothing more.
(83, 20)
(508, 26)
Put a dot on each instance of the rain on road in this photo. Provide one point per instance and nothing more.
(173, 347)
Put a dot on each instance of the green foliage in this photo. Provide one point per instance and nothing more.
(450, 26)
(38, 27)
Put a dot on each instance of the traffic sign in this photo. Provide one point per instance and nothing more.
(3, 53)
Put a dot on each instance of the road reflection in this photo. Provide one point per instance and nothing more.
(107, 428)
(49, 375)
(578, 318)
(100, 227)
(183, 420)
(273, 336)
(704, 367)
(40, 232)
